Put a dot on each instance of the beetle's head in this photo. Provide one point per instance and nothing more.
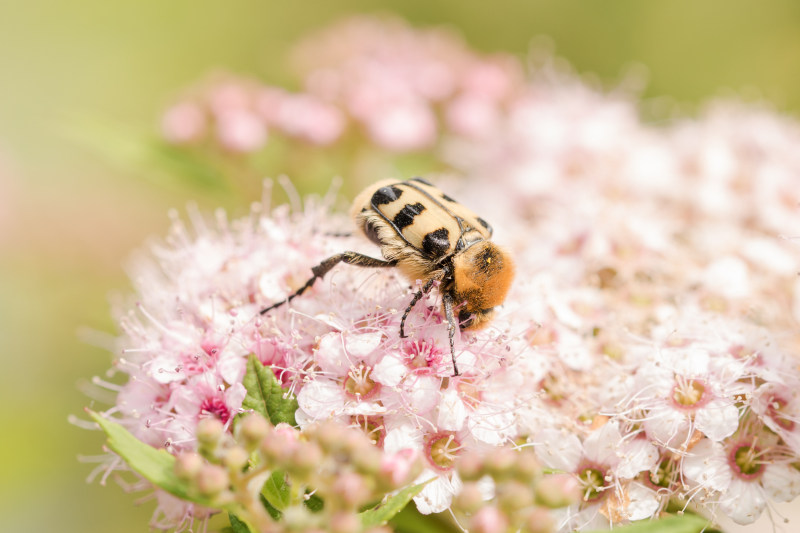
(482, 274)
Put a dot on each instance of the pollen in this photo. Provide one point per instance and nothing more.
(689, 393)
(442, 450)
(745, 461)
(592, 481)
(359, 385)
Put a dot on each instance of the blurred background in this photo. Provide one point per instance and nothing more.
(76, 75)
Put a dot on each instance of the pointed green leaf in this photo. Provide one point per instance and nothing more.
(265, 394)
(274, 513)
(674, 524)
(238, 525)
(157, 466)
(383, 512)
(277, 491)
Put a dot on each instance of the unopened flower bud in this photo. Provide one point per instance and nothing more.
(557, 490)
(212, 480)
(330, 436)
(367, 460)
(513, 495)
(236, 458)
(279, 445)
(297, 518)
(305, 458)
(188, 465)
(488, 520)
(470, 466)
(470, 498)
(538, 520)
(527, 466)
(351, 490)
(209, 431)
(253, 428)
(400, 468)
(500, 463)
(344, 522)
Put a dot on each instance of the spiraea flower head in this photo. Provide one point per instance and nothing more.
(647, 350)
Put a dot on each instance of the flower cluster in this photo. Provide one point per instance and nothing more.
(506, 491)
(667, 290)
(319, 478)
(371, 79)
(647, 349)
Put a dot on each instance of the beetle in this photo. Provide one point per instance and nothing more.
(429, 237)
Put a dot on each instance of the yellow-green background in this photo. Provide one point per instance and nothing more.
(68, 219)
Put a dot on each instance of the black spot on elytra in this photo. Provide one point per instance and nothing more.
(437, 243)
(445, 197)
(484, 223)
(386, 195)
(406, 215)
(425, 182)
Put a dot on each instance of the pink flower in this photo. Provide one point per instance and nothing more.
(742, 474)
(184, 122)
(241, 131)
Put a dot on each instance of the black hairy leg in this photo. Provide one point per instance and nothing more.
(319, 271)
(414, 300)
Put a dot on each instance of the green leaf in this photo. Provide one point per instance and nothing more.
(409, 520)
(274, 513)
(237, 525)
(155, 465)
(153, 159)
(383, 512)
(314, 503)
(277, 491)
(265, 394)
(674, 524)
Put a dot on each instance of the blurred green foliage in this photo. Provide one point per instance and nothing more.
(71, 218)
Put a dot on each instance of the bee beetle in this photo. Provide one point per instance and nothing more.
(429, 237)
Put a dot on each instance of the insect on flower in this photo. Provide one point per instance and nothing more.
(429, 237)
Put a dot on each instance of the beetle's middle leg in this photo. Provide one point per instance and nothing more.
(319, 271)
(424, 290)
(447, 300)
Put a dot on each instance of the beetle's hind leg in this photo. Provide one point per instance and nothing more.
(414, 300)
(319, 271)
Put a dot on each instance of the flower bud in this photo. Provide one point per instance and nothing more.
(344, 522)
(367, 460)
(470, 498)
(400, 468)
(527, 466)
(557, 490)
(252, 429)
(329, 435)
(500, 464)
(279, 445)
(235, 458)
(188, 465)
(297, 518)
(351, 490)
(470, 466)
(488, 520)
(538, 520)
(209, 432)
(212, 480)
(305, 458)
(513, 496)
